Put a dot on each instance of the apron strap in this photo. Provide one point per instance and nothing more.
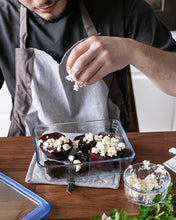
(87, 21)
(23, 27)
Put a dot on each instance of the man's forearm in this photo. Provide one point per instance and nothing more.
(159, 66)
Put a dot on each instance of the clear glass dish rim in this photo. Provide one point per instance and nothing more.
(147, 191)
(90, 162)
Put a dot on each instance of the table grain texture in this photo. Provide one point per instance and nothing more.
(16, 154)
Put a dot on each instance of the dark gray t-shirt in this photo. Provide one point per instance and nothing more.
(124, 18)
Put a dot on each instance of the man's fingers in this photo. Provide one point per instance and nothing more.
(76, 52)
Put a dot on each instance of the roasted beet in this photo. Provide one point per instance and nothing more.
(109, 134)
(108, 166)
(55, 145)
(108, 148)
(84, 145)
(79, 158)
(54, 169)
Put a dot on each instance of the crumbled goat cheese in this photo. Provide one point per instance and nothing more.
(112, 152)
(98, 138)
(107, 145)
(75, 144)
(148, 183)
(72, 78)
(78, 167)
(95, 150)
(71, 158)
(66, 147)
(57, 143)
(120, 146)
(88, 137)
(146, 164)
(39, 142)
(76, 86)
(115, 142)
(160, 169)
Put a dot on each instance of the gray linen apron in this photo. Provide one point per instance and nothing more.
(44, 96)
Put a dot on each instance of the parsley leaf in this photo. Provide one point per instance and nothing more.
(97, 217)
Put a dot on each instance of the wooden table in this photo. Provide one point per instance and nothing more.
(83, 203)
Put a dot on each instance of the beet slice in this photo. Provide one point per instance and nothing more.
(82, 157)
(52, 151)
(54, 169)
(109, 166)
(83, 145)
(109, 134)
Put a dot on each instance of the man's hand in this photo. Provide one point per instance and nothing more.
(96, 57)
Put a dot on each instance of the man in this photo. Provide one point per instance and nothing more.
(87, 39)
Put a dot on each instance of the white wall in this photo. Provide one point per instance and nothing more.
(156, 111)
(5, 110)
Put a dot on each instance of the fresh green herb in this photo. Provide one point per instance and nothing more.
(162, 210)
(97, 217)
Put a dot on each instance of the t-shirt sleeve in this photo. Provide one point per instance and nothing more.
(142, 24)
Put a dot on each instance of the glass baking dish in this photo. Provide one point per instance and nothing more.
(67, 171)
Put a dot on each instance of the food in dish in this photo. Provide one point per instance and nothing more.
(143, 181)
(85, 142)
(108, 147)
(77, 159)
(55, 145)
(54, 168)
(84, 148)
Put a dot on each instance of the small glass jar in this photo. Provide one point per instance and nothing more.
(142, 183)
